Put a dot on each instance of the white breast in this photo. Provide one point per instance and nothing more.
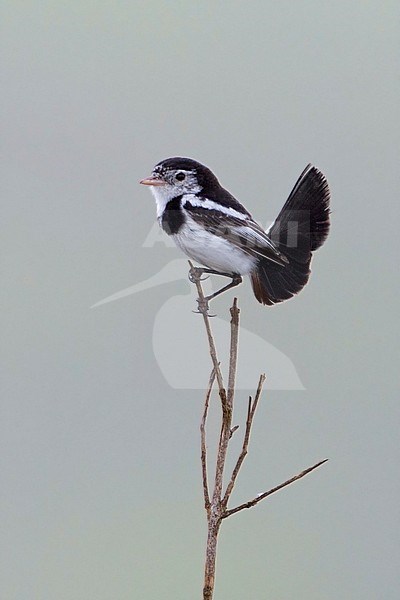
(211, 250)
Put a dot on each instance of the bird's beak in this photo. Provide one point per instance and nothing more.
(153, 181)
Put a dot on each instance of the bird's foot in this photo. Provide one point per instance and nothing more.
(195, 274)
(203, 307)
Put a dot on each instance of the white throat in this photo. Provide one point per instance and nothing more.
(163, 194)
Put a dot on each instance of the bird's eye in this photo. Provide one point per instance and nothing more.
(180, 176)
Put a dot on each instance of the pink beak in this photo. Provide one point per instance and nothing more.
(153, 181)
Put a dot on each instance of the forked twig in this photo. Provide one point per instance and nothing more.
(216, 502)
(251, 409)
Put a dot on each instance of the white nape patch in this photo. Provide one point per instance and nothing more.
(211, 205)
(211, 250)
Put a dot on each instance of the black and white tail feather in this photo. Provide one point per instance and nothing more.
(301, 227)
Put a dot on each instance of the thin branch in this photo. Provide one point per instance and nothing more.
(252, 407)
(216, 503)
(227, 406)
(215, 509)
(260, 497)
(235, 311)
(203, 442)
(213, 352)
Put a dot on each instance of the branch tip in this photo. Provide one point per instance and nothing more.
(232, 431)
(264, 495)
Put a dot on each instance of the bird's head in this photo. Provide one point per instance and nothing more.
(176, 176)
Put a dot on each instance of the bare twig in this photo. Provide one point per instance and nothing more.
(213, 352)
(213, 505)
(216, 509)
(227, 406)
(216, 503)
(260, 497)
(252, 406)
(235, 312)
(203, 442)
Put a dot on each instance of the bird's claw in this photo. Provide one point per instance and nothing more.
(203, 307)
(199, 312)
(195, 275)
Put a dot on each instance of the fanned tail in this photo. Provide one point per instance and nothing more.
(301, 227)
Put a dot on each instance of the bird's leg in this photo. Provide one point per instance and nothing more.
(236, 280)
(195, 274)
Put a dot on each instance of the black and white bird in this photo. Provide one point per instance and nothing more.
(215, 230)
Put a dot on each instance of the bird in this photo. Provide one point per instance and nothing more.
(215, 230)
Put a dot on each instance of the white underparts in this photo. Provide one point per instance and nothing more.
(212, 251)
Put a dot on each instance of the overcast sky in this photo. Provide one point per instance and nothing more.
(101, 489)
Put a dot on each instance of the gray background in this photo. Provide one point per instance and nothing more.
(101, 496)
